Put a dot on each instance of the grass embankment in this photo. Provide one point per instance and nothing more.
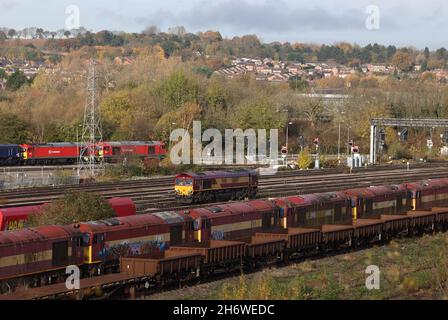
(409, 269)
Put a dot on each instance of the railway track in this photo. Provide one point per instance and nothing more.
(157, 193)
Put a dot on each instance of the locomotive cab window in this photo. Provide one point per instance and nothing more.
(399, 202)
(184, 182)
(78, 241)
(151, 150)
(85, 239)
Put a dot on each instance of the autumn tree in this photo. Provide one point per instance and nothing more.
(13, 129)
(176, 90)
(12, 33)
(402, 61)
(259, 115)
(296, 83)
(151, 30)
(118, 109)
(182, 118)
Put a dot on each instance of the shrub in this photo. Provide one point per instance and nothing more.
(398, 151)
(304, 160)
(74, 207)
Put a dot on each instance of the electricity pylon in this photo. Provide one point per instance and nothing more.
(91, 158)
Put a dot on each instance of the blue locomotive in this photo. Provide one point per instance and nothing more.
(10, 154)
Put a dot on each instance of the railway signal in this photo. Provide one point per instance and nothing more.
(284, 151)
(316, 162)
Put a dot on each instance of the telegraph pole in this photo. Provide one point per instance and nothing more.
(91, 130)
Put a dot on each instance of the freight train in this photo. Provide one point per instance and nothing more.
(69, 152)
(210, 186)
(305, 223)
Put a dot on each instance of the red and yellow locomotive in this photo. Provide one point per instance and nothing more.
(210, 186)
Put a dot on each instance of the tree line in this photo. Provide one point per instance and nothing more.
(177, 41)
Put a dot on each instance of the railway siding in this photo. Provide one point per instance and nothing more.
(154, 194)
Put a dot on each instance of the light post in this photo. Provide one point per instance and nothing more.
(348, 140)
(339, 142)
(301, 142)
(287, 133)
(77, 149)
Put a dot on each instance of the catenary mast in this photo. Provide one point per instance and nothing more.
(91, 160)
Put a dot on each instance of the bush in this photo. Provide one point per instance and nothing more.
(114, 172)
(16, 80)
(328, 163)
(74, 207)
(398, 151)
(304, 160)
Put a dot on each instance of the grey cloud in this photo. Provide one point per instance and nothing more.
(270, 16)
(7, 4)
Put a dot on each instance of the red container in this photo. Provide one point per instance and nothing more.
(123, 207)
(17, 217)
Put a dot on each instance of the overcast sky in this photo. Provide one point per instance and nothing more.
(416, 23)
